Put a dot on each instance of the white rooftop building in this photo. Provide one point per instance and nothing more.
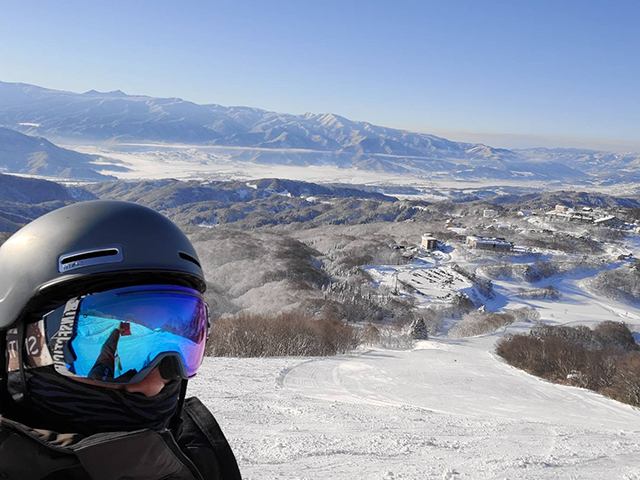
(484, 243)
(428, 242)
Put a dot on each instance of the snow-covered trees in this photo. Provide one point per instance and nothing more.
(607, 335)
(419, 330)
(480, 323)
(484, 285)
(547, 293)
(622, 284)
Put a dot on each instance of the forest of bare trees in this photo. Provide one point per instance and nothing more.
(605, 359)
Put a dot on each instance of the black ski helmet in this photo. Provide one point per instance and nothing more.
(91, 245)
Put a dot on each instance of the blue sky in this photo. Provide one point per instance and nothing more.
(519, 73)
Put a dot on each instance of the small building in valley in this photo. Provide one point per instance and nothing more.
(451, 224)
(428, 242)
(484, 243)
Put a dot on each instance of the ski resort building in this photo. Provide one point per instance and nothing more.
(588, 216)
(610, 221)
(484, 243)
(429, 242)
(570, 216)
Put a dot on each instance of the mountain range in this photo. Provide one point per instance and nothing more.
(25, 199)
(26, 154)
(251, 134)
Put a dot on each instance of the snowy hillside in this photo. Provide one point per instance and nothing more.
(446, 408)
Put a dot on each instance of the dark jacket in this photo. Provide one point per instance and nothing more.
(198, 452)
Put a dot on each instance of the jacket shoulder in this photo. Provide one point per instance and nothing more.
(202, 440)
(22, 457)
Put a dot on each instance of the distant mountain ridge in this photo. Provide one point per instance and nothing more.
(247, 204)
(612, 167)
(262, 136)
(270, 202)
(571, 199)
(25, 154)
(31, 190)
(167, 194)
(25, 199)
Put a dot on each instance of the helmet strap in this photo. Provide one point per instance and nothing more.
(5, 398)
(23, 375)
(9, 404)
(176, 422)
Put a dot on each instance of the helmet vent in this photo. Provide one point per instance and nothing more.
(189, 258)
(86, 258)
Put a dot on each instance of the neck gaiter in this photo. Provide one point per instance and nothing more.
(67, 406)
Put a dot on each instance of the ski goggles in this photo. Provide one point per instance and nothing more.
(118, 336)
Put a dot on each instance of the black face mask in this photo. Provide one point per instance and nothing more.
(67, 406)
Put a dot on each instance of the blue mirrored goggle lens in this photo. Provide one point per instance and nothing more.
(121, 332)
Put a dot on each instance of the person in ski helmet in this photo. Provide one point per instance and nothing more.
(103, 321)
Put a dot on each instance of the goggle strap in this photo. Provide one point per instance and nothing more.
(206, 306)
(61, 338)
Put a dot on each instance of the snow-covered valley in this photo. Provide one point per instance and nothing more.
(193, 162)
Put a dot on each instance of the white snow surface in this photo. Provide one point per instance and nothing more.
(448, 409)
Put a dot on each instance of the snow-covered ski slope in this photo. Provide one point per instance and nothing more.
(447, 409)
